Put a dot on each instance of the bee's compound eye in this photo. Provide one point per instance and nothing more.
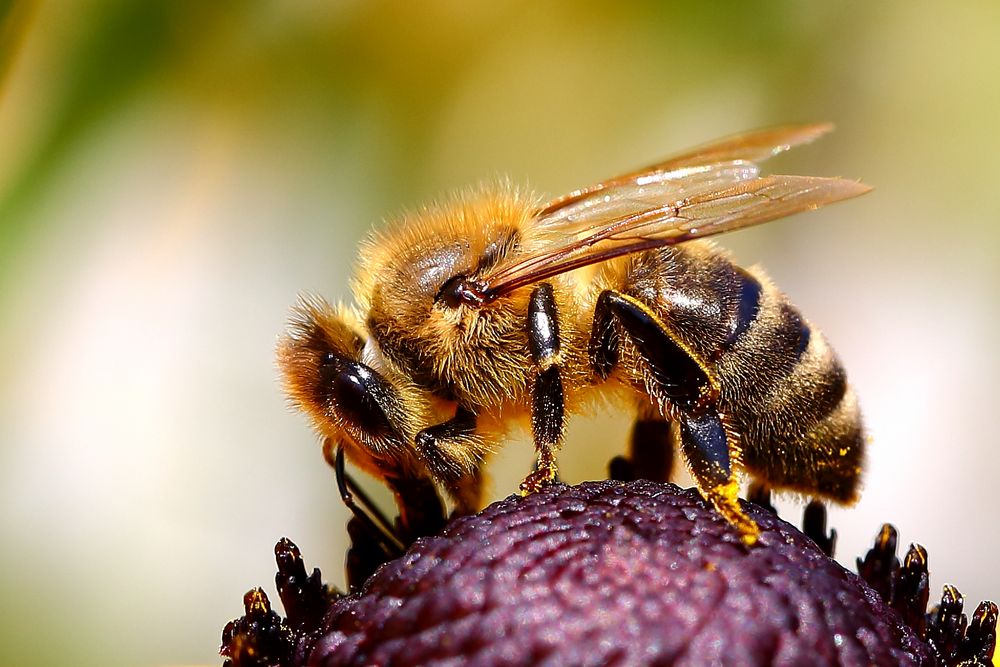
(358, 393)
(328, 359)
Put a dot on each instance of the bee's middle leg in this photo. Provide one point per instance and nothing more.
(547, 400)
(684, 389)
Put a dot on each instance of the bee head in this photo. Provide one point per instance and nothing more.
(413, 282)
(325, 375)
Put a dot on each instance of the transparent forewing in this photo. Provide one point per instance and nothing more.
(701, 214)
(644, 192)
(749, 147)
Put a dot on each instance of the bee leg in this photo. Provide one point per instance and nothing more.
(603, 353)
(604, 338)
(651, 449)
(684, 389)
(420, 509)
(651, 444)
(555, 478)
(759, 494)
(453, 452)
(547, 405)
(467, 493)
(706, 443)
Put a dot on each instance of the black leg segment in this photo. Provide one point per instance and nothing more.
(704, 442)
(543, 327)
(433, 444)
(547, 408)
(452, 452)
(814, 526)
(604, 340)
(707, 445)
(547, 400)
(678, 376)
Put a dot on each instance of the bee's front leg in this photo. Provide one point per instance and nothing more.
(453, 452)
(547, 403)
(685, 390)
(374, 539)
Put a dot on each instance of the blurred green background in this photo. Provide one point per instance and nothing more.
(173, 173)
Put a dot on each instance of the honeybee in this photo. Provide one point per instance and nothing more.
(493, 307)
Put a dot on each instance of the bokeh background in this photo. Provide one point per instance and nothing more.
(173, 173)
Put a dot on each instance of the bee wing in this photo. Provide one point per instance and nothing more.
(636, 215)
(748, 147)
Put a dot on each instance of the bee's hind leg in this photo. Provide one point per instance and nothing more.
(684, 389)
(547, 401)
(706, 444)
(651, 445)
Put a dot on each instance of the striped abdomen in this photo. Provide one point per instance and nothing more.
(781, 384)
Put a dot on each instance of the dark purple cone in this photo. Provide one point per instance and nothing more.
(610, 573)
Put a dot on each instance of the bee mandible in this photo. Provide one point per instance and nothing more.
(493, 307)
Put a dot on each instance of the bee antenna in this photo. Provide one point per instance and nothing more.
(378, 527)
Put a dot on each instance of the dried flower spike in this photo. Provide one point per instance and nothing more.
(261, 638)
(880, 565)
(906, 589)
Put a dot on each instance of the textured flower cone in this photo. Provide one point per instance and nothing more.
(610, 573)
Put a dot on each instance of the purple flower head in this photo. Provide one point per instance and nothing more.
(635, 573)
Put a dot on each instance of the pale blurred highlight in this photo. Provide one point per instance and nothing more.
(173, 174)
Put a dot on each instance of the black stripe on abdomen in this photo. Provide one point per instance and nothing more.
(804, 334)
(828, 392)
(781, 339)
(770, 350)
(747, 306)
(791, 335)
